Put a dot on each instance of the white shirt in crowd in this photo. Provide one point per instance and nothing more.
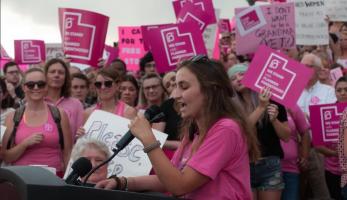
(317, 94)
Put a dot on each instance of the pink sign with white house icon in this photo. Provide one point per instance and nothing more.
(285, 77)
(325, 122)
(29, 51)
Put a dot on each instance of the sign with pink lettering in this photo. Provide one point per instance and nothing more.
(144, 31)
(29, 51)
(200, 12)
(173, 43)
(110, 53)
(285, 77)
(130, 45)
(83, 35)
(272, 25)
(325, 122)
(224, 26)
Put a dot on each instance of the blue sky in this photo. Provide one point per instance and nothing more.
(38, 19)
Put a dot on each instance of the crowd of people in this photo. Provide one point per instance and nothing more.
(225, 141)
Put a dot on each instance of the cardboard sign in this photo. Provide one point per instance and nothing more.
(54, 50)
(200, 12)
(285, 77)
(336, 10)
(109, 128)
(83, 35)
(110, 53)
(29, 51)
(130, 45)
(173, 43)
(311, 26)
(270, 25)
(145, 29)
(325, 122)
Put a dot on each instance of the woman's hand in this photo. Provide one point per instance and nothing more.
(108, 184)
(80, 132)
(264, 97)
(272, 110)
(35, 138)
(141, 128)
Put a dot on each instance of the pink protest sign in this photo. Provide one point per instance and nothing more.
(200, 12)
(325, 122)
(335, 74)
(3, 54)
(111, 53)
(83, 35)
(144, 31)
(287, 78)
(29, 51)
(224, 26)
(172, 43)
(130, 45)
(272, 25)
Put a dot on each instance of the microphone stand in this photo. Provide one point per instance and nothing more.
(116, 150)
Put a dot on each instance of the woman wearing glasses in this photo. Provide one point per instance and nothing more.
(212, 161)
(152, 91)
(59, 92)
(36, 140)
(106, 84)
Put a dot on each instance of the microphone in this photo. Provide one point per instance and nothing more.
(152, 114)
(80, 168)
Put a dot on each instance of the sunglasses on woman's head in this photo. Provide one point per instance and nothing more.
(107, 84)
(31, 84)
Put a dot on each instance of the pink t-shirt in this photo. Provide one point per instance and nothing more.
(331, 163)
(48, 152)
(297, 124)
(119, 109)
(73, 109)
(223, 157)
(341, 148)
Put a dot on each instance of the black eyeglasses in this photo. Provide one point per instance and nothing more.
(107, 84)
(31, 84)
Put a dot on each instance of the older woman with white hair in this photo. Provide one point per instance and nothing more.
(97, 152)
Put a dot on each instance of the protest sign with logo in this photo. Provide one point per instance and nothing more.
(109, 128)
(336, 10)
(224, 26)
(173, 43)
(83, 35)
(54, 50)
(130, 45)
(29, 51)
(285, 77)
(325, 122)
(311, 24)
(200, 12)
(270, 25)
(110, 53)
(144, 31)
(335, 74)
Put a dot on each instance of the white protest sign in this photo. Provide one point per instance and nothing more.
(54, 50)
(109, 128)
(311, 25)
(337, 10)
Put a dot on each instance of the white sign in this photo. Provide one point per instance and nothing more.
(311, 25)
(54, 50)
(109, 128)
(337, 10)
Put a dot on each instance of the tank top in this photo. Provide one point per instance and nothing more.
(118, 110)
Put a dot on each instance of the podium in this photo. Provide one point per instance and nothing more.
(35, 183)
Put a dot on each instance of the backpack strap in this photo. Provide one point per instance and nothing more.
(16, 119)
(57, 119)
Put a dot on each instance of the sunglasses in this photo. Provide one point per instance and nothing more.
(39, 84)
(199, 58)
(107, 84)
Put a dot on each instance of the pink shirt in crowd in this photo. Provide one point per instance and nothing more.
(119, 109)
(341, 148)
(48, 152)
(74, 110)
(223, 157)
(297, 124)
(331, 163)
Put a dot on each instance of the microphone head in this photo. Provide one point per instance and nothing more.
(82, 166)
(152, 111)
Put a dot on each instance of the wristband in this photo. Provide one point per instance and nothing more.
(117, 181)
(152, 146)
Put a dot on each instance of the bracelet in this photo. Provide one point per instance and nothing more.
(152, 146)
(118, 181)
(125, 186)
